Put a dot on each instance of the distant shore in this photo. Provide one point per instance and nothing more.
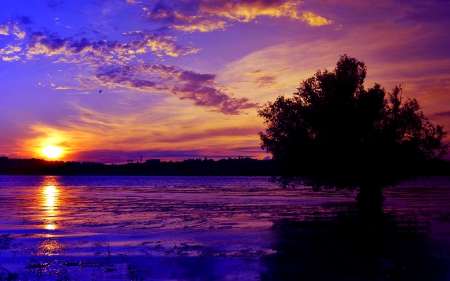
(153, 167)
(241, 166)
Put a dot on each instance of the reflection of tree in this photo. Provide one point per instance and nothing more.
(173, 268)
(355, 245)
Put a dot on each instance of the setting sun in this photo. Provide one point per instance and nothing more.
(52, 151)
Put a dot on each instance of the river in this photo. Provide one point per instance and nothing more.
(218, 228)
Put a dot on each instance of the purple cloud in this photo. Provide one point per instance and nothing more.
(187, 85)
(266, 80)
(97, 52)
(442, 114)
(25, 20)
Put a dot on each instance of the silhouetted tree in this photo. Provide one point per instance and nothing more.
(334, 133)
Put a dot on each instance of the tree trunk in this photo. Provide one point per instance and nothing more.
(370, 194)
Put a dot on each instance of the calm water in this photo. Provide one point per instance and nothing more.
(217, 228)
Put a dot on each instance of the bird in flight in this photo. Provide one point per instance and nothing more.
(99, 91)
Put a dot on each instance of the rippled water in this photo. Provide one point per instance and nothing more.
(215, 228)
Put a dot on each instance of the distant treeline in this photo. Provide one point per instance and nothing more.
(191, 167)
(155, 167)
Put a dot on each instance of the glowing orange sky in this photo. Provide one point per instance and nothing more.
(184, 79)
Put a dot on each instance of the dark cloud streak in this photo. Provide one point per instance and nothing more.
(442, 114)
(266, 80)
(187, 85)
(121, 156)
(25, 20)
(55, 4)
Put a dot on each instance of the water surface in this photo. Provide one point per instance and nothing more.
(217, 228)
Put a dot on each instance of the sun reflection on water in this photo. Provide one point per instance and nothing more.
(50, 203)
(51, 247)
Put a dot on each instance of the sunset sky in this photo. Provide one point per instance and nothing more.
(111, 80)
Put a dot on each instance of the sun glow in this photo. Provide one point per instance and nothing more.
(52, 152)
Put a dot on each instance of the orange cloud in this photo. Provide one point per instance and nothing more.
(208, 15)
(10, 53)
(10, 49)
(246, 11)
(14, 29)
(63, 88)
(4, 29)
(314, 20)
(202, 26)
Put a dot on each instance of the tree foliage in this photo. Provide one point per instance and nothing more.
(335, 133)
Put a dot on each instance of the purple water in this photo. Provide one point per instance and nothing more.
(186, 228)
